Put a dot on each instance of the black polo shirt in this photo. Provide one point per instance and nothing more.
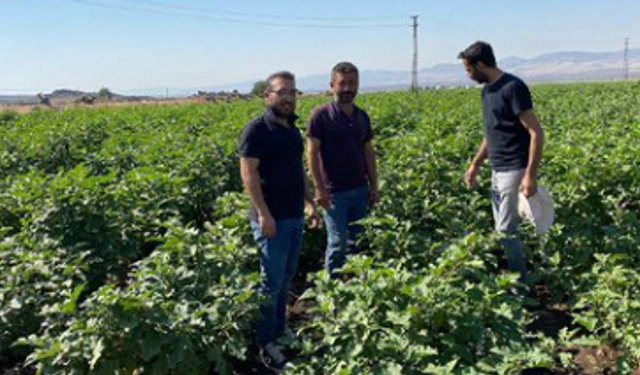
(279, 150)
(342, 139)
(508, 141)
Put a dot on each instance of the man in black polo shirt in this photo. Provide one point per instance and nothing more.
(342, 164)
(270, 148)
(513, 142)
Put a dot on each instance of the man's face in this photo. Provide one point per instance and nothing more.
(475, 72)
(344, 87)
(281, 97)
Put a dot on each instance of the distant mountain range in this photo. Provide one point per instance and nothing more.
(552, 67)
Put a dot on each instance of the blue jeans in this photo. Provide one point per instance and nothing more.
(505, 188)
(278, 262)
(346, 207)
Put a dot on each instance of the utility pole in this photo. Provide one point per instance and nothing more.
(414, 71)
(626, 59)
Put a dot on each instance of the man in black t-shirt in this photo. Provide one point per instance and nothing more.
(270, 148)
(513, 142)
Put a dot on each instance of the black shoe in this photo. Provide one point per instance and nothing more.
(272, 358)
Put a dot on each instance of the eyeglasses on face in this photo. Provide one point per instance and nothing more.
(285, 92)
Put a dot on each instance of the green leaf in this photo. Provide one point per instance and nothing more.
(96, 354)
(587, 322)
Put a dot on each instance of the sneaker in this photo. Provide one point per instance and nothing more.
(272, 358)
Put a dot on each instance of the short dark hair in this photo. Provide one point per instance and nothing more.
(282, 74)
(344, 67)
(479, 52)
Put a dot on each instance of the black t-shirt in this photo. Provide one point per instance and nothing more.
(279, 150)
(507, 139)
(342, 139)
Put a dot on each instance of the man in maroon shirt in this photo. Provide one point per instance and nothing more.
(342, 163)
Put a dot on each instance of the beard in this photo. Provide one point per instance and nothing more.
(481, 78)
(346, 97)
(283, 110)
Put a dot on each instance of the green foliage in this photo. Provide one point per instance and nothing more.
(187, 305)
(453, 313)
(610, 308)
(125, 248)
(8, 116)
(36, 272)
(259, 88)
(105, 94)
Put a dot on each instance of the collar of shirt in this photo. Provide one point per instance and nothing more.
(497, 81)
(272, 121)
(335, 108)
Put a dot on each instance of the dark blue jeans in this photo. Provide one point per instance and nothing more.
(278, 262)
(346, 208)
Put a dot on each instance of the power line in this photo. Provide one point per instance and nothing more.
(266, 15)
(134, 8)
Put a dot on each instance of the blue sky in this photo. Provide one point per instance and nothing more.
(142, 44)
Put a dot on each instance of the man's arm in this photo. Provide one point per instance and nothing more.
(372, 172)
(529, 185)
(308, 194)
(311, 204)
(313, 158)
(472, 172)
(251, 182)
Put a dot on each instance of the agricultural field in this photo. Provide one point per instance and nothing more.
(125, 247)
